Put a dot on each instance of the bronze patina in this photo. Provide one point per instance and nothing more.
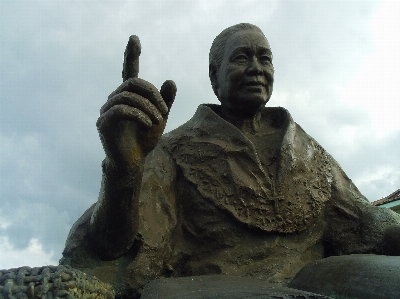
(240, 189)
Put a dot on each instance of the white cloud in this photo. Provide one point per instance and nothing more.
(368, 146)
(4, 223)
(32, 228)
(32, 256)
(376, 88)
(385, 177)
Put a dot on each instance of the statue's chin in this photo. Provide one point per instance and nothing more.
(247, 104)
(251, 105)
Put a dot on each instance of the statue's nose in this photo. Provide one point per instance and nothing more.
(254, 67)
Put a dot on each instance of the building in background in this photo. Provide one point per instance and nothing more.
(391, 201)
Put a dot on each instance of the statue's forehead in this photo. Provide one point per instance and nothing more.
(246, 39)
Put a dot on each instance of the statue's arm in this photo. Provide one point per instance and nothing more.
(113, 223)
(355, 225)
(130, 125)
(157, 218)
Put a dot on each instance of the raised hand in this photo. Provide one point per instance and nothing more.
(134, 117)
(130, 125)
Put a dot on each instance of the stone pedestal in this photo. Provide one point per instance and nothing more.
(365, 276)
(221, 287)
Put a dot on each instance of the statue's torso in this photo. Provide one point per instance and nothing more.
(211, 186)
(216, 201)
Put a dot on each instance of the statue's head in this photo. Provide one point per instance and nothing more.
(240, 67)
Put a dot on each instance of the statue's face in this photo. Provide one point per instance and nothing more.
(245, 77)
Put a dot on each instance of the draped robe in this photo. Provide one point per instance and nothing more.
(215, 201)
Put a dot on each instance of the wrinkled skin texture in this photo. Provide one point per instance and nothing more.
(239, 189)
(245, 78)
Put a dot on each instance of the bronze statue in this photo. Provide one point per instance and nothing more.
(239, 189)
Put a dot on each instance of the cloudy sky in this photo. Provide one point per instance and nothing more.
(336, 70)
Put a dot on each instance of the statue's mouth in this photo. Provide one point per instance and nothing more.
(255, 83)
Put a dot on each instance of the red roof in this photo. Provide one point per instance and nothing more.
(392, 197)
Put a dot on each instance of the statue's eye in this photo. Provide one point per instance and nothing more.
(240, 58)
(265, 59)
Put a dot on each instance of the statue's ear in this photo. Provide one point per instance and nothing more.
(212, 72)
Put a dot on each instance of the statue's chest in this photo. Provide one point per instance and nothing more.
(267, 145)
(260, 180)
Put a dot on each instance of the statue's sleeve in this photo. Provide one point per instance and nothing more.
(354, 225)
(157, 205)
(157, 218)
(157, 215)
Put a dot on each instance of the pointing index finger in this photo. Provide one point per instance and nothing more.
(131, 58)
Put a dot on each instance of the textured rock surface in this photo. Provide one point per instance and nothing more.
(220, 286)
(51, 282)
(364, 276)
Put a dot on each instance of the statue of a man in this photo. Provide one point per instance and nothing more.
(239, 189)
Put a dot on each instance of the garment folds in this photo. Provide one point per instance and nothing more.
(210, 203)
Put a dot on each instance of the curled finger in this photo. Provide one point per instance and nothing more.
(135, 101)
(144, 89)
(122, 112)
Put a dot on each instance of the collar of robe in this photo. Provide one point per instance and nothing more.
(223, 165)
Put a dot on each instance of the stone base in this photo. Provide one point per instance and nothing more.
(365, 276)
(344, 277)
(220, 287)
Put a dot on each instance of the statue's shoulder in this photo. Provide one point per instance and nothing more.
(294, 131)
(187, 130)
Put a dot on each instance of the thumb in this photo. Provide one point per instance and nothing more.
(168, 92)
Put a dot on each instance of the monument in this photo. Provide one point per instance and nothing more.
(238, 190)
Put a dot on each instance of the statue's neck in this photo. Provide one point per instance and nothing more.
(245, 122)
